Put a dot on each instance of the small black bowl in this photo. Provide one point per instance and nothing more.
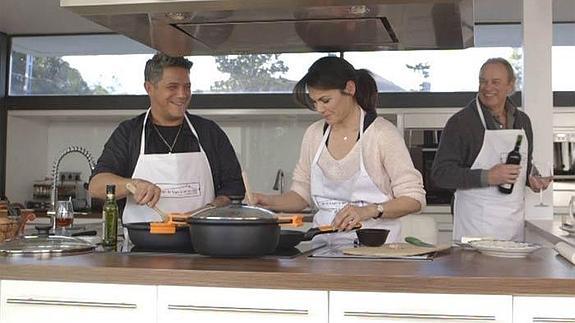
(372, 237)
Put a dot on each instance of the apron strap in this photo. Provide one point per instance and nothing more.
(480, 112)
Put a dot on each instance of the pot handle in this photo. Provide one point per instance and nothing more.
(294, 220)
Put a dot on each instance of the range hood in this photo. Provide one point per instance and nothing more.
(217, 27)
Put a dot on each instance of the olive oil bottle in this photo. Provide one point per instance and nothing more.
(110, 219)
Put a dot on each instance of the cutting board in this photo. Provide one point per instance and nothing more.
(393, 250)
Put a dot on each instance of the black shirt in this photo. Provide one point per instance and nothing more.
(122, 150)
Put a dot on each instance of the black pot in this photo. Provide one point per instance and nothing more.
(232, 239)
(234, 231)
(141, 238)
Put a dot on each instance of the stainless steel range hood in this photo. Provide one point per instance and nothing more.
(214, 27)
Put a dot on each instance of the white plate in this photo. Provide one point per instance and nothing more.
(569, 229)
(504, 248)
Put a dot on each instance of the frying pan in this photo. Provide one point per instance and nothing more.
(291, 238)
(142, 238)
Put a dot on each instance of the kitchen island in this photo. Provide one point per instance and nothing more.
(451, 277)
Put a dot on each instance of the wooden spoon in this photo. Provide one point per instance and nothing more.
(247, 187)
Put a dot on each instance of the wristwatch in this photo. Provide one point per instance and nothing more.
(379, 210)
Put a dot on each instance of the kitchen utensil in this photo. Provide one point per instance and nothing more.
(291, 238)
(237, 230)
(372, 237)
(416, 242)
(142, 238)
(169, 221)
(249, 195)
(45, 246)
(399, 249)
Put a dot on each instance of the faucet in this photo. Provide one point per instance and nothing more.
(55, 169)
(280, 181)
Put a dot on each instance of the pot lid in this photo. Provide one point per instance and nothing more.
(235, 213)
(45, 246)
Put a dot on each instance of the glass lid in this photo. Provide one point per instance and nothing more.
(236, 212)
(45, 245)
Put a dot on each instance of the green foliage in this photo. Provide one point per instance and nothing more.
(516, 60)
(48, 75)
(422, 68)
(252, 73)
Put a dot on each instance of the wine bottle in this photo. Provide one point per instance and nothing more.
(513, 158)
(110, 219)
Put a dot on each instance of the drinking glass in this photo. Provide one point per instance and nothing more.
(543, 174)
(64, 214)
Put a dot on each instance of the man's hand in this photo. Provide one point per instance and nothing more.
(503, 174)
(146, 192)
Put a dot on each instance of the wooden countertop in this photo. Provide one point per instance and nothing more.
(458, 271)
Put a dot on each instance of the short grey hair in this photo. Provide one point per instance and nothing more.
(498, 60)
(155, 66)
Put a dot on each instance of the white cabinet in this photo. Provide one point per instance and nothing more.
(215, 305)
(354, 307)
(34, 301)
(543, 309)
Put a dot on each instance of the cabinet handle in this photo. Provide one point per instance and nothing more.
(411, 316)
(238, 310)
(553, 320)
(31, 301)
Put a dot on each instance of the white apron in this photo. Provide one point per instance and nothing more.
(330, 196)
(184, 178)
(486, 212)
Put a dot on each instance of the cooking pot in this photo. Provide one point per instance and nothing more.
(236, 230)
(141, 237)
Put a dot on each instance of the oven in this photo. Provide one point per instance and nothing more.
(422, 145)
(563, 166)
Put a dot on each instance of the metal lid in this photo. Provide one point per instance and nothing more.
(45, 246)
(235, 213)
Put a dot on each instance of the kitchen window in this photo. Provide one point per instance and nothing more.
(87, 65)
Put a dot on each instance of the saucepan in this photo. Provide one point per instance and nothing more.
(291, 238)
(142, 238)
(237, 230)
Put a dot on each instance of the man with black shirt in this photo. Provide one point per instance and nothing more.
(177, 161)
(469, 159)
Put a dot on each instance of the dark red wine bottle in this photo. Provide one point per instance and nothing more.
(513, 158)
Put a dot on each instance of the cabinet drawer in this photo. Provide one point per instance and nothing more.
(33, 301)
(202, 304)
(543, 309)
(410, 307)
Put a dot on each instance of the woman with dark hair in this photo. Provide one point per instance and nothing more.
(354, 166)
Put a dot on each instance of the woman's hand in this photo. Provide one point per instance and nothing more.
(350, 215)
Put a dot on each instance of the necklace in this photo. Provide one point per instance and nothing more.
(170, 147)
